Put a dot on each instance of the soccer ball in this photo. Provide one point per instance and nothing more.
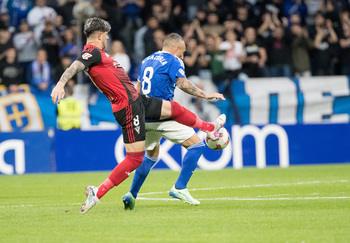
(221, 143)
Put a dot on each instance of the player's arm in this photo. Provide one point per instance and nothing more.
(89, 58)
(187, 86)
(58, 92)
(138, 86)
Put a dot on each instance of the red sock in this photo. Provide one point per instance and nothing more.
(186, 117)
(121, 172)
(104, 188)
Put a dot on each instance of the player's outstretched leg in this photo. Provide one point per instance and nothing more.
(91, 199)
(139, 178)
(218, 123)
(188, 118)
(190, 161)
(119, 174)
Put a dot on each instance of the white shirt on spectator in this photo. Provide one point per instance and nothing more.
(231, 61)
(124, 60)
(38, 16)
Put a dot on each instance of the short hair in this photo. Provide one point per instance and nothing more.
(172, 40)
(96, 24)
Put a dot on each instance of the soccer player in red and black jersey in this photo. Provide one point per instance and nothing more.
(130, 109)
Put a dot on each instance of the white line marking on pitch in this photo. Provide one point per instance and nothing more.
(250, 186)
(212, 199)
(245, 199)
(31, 205)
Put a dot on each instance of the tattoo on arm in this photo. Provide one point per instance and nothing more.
(188, 87)
(74, 68)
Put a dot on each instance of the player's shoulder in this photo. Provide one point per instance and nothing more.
(91, 49)
(180, 61)
(172, 59)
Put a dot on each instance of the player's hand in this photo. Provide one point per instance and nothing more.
(217, 96)
(57, 93)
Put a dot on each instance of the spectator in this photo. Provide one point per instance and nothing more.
(193, 7)
(218, 7)
(148, 38)
(5, 41)
(69, 110)
(18, 10)
(5, 21)
(242, 19)
(193, 54)
(118, 53)
(201, 16)
(25, 45)
(38, 16)
(278, 52)
(39, 74)
(69, 47)
(269, 23)
(233, 55)
(50, 41)
(345, 49)
(170, 17)
(273, 7)
(323, 43)
(213, 26)
(139, 44)
(255, 55)
(132, 11)
(295, 7)
(66, 11)
(300, 47)
(215, 58)
(59, 26)
(65, 62)
(156, 44)
(312, 8)
(194, 30)
(235, 6)
(10, 71)
(100, 9)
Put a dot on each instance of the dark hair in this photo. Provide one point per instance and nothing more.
(96, 24)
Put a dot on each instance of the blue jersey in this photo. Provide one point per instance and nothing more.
(158, 73)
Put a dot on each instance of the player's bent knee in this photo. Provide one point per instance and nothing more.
(136, 158)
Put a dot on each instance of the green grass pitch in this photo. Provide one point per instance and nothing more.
(296, 204)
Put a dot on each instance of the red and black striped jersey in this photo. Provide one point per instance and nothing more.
(109, 77)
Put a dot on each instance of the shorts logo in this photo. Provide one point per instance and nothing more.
(86, 56)
(181, 71)
(137, 124)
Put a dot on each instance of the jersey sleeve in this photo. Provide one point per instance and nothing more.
(177, 70)
(90, 57)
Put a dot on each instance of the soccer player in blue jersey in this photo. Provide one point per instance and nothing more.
(159, 74)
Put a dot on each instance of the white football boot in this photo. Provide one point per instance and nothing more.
(91, 199)
(183, 195)
(218, 123)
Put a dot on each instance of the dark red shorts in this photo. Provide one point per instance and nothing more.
(132, 118)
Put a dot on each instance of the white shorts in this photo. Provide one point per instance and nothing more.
(170, 130)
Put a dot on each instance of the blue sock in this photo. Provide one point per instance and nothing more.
(189, 164)
(141, 173)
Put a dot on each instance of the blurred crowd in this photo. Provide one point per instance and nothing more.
(226, 39)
